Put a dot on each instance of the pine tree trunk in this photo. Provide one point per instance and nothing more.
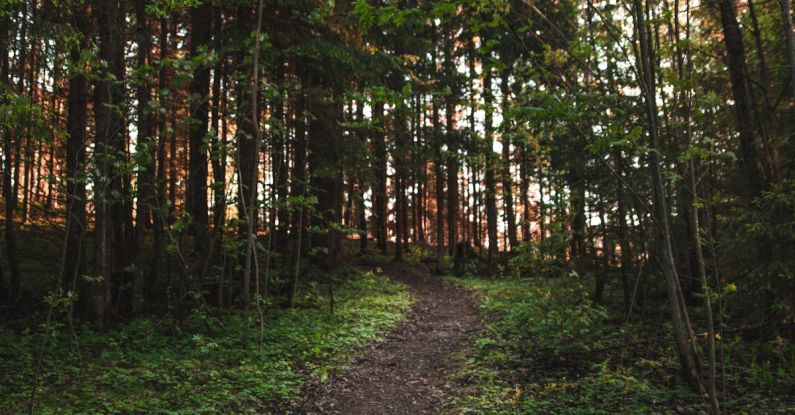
(507, 179)
(756, 177)
(199, 42)
(491, 166)
(146, 157)
(159, 208)
(452, 149)
(380, 191)
(786, 14)
(524, 193)
(439, 180)
(683, 333)
(109, 151)
(298, 188)
(76, 120)
(361, 176)
(324, 166)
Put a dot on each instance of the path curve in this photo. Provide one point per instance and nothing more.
(409, 372)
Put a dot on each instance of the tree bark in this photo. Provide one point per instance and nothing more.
(380, 191)
(145, 152)
(452, 147)
(76, 119)
(756, 177)
(159, 210)
(199, 43)
(399, 161)
(324, 166)
(439, 179)
(683, 333)
(298, 191)
(361, 178)
(109, 151)
(786, 14)
(507, 179)
(491, 166)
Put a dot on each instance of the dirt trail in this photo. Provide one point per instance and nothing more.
(407, 373)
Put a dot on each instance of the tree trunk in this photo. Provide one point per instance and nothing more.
(754, 173)
(695, 235)
(218, 157)
(683, 332)
(786, 14)
(279, 160)
(76, 119)
(491, 166)
(524, 192)
(10, 198)
(298, 191)
(159, 207)
(324, 167)
(507, 179)
(109, 151)
(380, 191)
(399, 161)
(145, 153)
(361, 177)
(439, 180)
(452, 148)
(199, 42)
(623, 241)
(9, 185)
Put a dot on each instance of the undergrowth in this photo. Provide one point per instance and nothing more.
(157, 366)
(547, 349)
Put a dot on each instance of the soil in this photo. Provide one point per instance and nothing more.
(409, 372)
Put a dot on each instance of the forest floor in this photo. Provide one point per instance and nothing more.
(501, 346)
(410, 372)
(411, 343)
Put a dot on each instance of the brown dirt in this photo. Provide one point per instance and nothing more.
(410, 371)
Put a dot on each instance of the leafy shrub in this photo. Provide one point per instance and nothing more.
(766, 272)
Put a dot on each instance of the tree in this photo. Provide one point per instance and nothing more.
(684, 338)
(199, 49)
(109, 144)
(76, 226)
(756, 175)
(491, 167)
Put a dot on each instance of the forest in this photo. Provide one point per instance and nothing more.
(397, 207)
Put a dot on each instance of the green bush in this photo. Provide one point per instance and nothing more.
(758, 253)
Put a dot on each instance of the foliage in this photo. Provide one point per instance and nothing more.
(546, 349)
(158, 365)
(418, 254)
(764, 230)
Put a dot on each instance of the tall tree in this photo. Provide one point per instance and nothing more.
(380, 163)
(507, 179)
(10, 171)
(145, 151)
(110, 152)
(491, 167)
(684, 338)
(755, 174)
(453, 138)
(76, 120)
(199, 49)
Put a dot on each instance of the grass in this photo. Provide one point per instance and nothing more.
(160, 366)
(547, 349)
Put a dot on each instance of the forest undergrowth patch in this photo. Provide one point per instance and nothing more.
(159, 366)
(546, 348)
